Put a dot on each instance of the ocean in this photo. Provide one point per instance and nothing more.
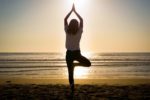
(53, 66)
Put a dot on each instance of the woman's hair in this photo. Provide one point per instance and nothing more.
(73, 27)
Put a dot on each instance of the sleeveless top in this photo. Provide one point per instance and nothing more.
(73, 40)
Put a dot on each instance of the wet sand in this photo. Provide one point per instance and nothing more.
(4, 80)
(84, 89)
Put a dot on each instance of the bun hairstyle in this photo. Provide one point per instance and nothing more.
(73, 27)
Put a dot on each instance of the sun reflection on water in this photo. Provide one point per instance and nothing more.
(81, 72)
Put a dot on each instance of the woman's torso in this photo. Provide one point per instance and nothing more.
(73, 40)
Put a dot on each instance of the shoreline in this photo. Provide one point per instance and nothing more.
(77, 81)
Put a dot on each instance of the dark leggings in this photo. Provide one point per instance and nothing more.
(70, 57)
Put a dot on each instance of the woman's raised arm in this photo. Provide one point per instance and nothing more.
(80, 18)
(66, 18)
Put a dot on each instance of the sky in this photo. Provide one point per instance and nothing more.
(109, 25)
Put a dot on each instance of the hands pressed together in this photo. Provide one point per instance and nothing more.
(73, 8)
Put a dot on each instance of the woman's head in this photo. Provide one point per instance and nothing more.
(73, 26)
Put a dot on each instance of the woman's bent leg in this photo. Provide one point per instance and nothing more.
(84, 61)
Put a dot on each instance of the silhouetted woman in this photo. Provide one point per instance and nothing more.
(73, 35)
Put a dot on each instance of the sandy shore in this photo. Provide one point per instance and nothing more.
(82, 92)
(58, 89)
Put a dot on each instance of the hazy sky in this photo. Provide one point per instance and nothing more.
(109, 25)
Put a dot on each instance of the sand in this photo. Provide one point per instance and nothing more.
(104, 89)
(82, 92)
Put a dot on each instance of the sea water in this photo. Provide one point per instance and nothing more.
(53, 66)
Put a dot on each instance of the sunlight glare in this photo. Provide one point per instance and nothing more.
(80, 72)
(79, 4)
(87, 54)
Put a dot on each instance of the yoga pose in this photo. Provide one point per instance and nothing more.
(73, 35)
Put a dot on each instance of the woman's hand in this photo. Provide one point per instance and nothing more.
(81, 20)
(73, 8)
(67, 16)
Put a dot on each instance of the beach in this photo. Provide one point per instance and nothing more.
(58, 89)
(12, 91)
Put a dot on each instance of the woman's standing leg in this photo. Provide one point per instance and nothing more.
(70, 66)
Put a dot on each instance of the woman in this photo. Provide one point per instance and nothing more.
(73, 36)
